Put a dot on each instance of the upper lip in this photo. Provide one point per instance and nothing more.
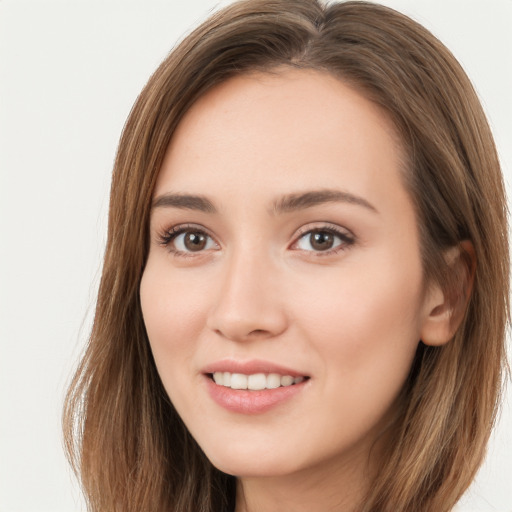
(250, 367)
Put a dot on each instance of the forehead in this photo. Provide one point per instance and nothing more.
(268, 133)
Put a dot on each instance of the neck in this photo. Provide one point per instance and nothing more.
(334, 487)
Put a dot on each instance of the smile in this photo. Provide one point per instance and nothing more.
(254, 386)
(255, 381)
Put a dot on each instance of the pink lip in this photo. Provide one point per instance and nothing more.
(251, 402)
(250, 367)
(246, 401)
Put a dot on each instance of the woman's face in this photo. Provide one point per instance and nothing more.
(284, 248)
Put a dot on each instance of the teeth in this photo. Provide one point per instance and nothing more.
(273, 381)
(256, 381)
(286, 380)
(238, 381)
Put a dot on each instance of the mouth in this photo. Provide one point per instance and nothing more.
(253, 386)
(254, 393)
(255, 381)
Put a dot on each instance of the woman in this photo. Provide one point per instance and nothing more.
(305, 287)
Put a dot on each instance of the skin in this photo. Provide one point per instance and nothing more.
(350, 318)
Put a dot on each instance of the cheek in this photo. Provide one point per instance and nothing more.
(172, 308)
(365, 336)
(366, 323)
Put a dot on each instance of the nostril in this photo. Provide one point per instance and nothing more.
(257, 332)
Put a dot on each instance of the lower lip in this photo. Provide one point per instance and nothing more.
(244, 401)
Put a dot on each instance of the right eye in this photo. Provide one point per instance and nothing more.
(184, 241)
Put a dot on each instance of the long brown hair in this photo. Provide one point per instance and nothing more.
(123, 436)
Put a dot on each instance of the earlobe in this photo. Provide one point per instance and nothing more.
(445, 305)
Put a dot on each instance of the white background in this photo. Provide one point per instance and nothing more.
(69, 73)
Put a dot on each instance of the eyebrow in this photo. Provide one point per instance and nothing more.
(185, 202)
(303, 200)
(286, 204)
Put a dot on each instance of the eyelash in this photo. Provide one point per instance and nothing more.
(167, 237)
(347, 239)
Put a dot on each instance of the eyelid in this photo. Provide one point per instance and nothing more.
(166, 236)
(345, 235)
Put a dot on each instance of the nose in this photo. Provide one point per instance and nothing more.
(250, 305)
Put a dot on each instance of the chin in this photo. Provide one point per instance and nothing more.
(256, 468)
(252, 461)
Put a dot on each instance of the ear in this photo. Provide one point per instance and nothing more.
(445, 306)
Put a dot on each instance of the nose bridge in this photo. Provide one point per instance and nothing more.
(248, 303)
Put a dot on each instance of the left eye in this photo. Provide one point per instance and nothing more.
(320, 240)
(192, 241)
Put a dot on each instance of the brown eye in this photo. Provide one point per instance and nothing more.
(186, 241)
(321, 240)
(324, 240)
(195, 241)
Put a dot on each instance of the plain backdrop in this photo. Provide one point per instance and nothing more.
(69, 74)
